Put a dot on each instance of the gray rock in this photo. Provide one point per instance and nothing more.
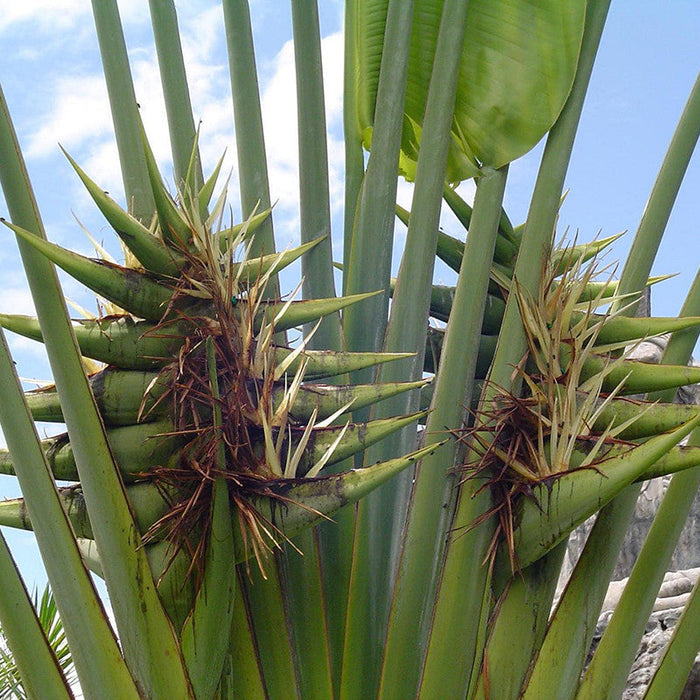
(678, 583)
(658, 631)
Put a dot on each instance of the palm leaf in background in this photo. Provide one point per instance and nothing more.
(10, 676)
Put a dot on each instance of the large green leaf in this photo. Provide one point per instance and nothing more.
(518, 65)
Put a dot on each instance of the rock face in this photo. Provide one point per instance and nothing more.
(687, 553)
(684, 567)
(673, 595)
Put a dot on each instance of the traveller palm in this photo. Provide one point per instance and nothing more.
(213, 460)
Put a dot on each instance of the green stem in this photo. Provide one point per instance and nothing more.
(432, 499)
(148, 641)
(561, 656)
(317, 265)
(306, 608)
(244, 676)
(265, 601)
(173, 77)
(354, 157)
(607, 674)
(250, 140)
(369, 267)
(36, 662)
(93, 646)
(615, 653)
(679, 656)
(376, 558)
(526, 603)
(589, 581)
(306, 615)
(204, 641)
(454, 609)
(125, 114)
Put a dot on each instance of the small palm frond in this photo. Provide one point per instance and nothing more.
(11, 686)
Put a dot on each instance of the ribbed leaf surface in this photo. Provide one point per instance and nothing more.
(518, 65)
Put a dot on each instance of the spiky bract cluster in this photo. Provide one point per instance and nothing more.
(198, 383)
(568, 412)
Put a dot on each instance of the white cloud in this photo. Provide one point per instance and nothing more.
(46, 15)
(102, 165)
(51, 16)
(26, 352)
(16, 300)
(279, 105)
(333, 58)
(201, 33)
(78, 116)
(78, 113)
(466, 190)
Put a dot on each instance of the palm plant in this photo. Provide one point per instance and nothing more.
(10, 678)
(213, 468)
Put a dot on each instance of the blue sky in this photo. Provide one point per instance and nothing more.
(51, 76)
